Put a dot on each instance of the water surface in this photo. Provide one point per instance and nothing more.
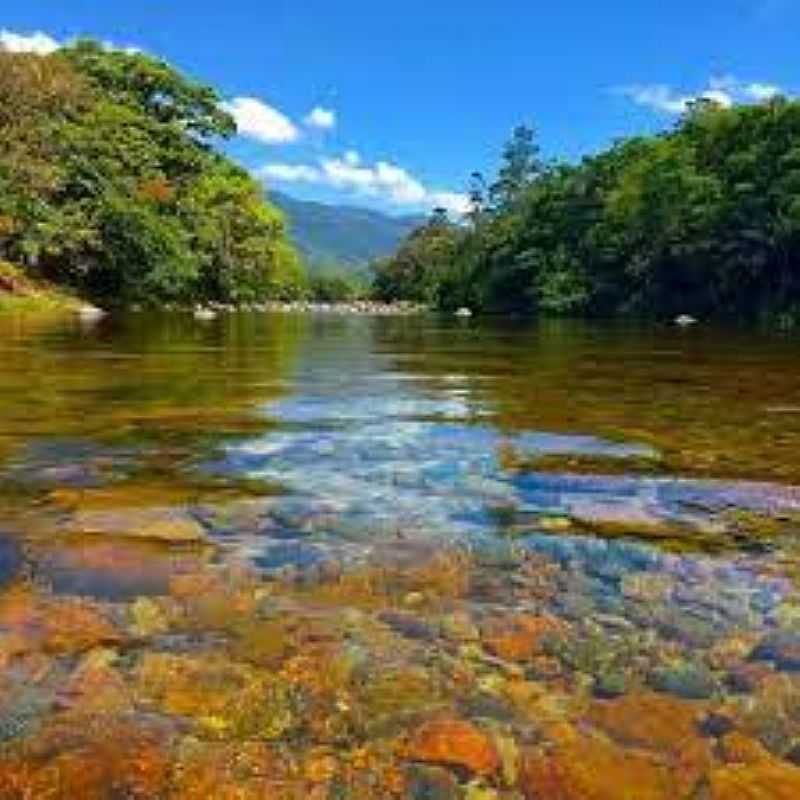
(595, 514)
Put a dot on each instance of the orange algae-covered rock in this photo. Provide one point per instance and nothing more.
(593, 769)
(751, 772)
(320, 767)
(736, 748)
(663, 725)
(520, 638)
(75, 627)
(651, 721)
(91, 758)
(57, 626)
(455, 743)
(765, 780)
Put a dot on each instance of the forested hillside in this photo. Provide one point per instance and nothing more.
(346, 236)
(702, 220)
(110, 184)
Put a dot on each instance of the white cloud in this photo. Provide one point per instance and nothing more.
(455, 202)
(256, 120)
(322, 118)
(657, 97)
(726, 91)
(291, 173)
(763, 91)
(39, 43)
(718, 96)
(382, 180)
(42, 44)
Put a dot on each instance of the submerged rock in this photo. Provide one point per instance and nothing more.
(455, 743)
(585, 768)
(54, 625)
(228, 771)
(782, 648)
(92, 757)
(148, 618)
(611, 684)
(689, 681)
(21, 714)
(10, 559)
(158, 525)
(431, 783)
(408, 626)
(648, 721)
(520, 638)
(764, 780)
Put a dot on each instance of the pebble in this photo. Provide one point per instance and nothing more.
(782, 648)
(689, 681)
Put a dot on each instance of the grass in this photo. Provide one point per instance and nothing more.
(20, 293)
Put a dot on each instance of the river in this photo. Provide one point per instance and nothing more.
(346, 556)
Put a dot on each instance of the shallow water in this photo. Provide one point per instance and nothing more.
(555, 529)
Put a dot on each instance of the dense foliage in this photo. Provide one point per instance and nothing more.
(334, 283)
(109, 183)
(703, 220)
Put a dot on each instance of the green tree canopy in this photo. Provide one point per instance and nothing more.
(703, 219)
(109, 182)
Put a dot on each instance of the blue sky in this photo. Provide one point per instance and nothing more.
(411, 97)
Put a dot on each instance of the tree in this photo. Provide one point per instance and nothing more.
(477, 193)
(109, 182)
(416, 272)
(702, 219)
(520, 167)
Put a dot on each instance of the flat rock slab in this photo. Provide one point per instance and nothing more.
(152, 524)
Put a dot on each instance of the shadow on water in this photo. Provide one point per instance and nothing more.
(10, 559)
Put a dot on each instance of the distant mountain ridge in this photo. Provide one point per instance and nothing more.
(345, 235)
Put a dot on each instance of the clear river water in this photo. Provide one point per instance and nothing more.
(342, 556)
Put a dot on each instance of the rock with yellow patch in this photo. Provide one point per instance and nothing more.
(225, 699)
(149, 618)
(539, 702)
(320, 767)
(223, 771)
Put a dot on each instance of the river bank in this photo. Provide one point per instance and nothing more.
(20, 293)
(362, 307)
(53, 301)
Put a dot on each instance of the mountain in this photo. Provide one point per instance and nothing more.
(343, 235)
